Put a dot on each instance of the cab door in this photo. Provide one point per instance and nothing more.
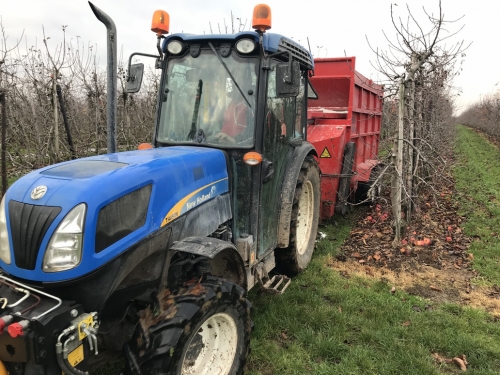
(284, 120)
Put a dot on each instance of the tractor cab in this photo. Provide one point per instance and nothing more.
(245, 94)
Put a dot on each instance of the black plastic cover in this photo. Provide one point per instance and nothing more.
(121, 217)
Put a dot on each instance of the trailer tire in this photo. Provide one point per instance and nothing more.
(208, 330)
(304, 221)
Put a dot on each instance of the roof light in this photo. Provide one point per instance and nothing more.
(245, 45)
(175, 47)
(160, 23)
(252, 158)
(261, 17)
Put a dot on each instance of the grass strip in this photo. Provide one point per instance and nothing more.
(477, 174)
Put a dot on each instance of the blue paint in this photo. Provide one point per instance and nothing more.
(170, 170)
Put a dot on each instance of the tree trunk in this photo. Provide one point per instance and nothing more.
(56, 116)
(397, 160)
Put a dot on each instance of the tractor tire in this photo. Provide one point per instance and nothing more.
(304, 221)
(206, 330)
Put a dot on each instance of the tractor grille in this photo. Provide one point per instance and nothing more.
(297, 51)
(28, 225)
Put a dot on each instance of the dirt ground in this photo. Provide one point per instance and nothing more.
(432, 261)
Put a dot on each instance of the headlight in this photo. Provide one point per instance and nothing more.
(245, 45)
(174, 47)
(65, 247)
(4, 234)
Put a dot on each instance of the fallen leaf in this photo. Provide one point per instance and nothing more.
(406, 324)
(432, 287)
(376, 257)
(356, 255)
(460, 363)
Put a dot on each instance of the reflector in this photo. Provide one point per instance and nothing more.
(252, 158)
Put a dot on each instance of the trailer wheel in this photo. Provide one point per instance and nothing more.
(304, 221)
(207, 331)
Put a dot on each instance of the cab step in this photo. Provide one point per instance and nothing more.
(277, 284)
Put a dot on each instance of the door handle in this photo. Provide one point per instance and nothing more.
(267, 171)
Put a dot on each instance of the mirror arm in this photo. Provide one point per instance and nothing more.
(158, 47)
(129, 77)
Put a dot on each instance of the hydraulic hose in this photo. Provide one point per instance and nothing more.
(62, 355)
(66, 366)
(62, 365)
(73, 371)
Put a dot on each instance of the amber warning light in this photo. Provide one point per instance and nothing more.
(160, 23)
(261, 17)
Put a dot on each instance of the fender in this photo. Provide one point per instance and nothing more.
(296, 159)
(225, 260)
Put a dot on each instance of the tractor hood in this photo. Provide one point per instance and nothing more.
(128, 196)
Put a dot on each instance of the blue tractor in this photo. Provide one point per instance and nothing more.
(150, 253)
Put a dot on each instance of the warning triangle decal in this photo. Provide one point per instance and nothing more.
(325, 154)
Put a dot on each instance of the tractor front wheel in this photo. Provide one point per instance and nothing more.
(304, 221)
(205, 329)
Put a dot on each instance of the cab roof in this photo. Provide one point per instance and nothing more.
(272, 43)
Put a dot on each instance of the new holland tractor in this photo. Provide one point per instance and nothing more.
(150, 253)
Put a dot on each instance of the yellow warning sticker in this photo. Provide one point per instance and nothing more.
(325, 153)
(76, 356)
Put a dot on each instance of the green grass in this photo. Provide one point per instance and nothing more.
(477, 176)
(328, 324)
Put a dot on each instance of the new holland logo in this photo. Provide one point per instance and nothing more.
(38, 192)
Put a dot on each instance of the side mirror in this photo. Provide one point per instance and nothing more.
(287, 79)
(134, 79)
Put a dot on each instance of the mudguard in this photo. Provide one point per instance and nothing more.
(288, 190)
(231, 267)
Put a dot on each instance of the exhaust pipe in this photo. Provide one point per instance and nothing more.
(112, 73)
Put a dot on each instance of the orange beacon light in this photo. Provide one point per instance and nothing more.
(261, 19)
(160, 23)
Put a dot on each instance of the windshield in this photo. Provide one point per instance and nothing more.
(201, 103)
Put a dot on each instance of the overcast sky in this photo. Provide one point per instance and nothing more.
(334, 28)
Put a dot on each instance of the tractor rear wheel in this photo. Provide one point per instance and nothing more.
(304, 221)
(205, 330)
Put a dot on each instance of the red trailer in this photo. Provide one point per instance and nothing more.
(344, 127)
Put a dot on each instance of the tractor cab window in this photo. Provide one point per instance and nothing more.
(201, 102)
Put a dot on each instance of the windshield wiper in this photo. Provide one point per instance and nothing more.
(228, 72)
(199, 91)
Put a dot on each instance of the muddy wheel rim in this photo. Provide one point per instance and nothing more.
(212, 349)
(305, 217)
